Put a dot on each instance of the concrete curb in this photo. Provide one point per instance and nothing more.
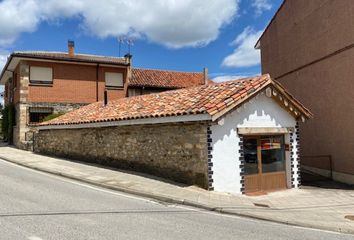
(172, 200)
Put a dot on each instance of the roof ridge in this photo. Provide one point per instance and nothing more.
(170, 92)
(215, 100)
(60, 52)
(35, 51)
(164, 70)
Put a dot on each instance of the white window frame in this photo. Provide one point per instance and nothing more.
(44, 76)
(112, 76)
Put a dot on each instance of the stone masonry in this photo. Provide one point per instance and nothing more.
(22, 130)
(174, 151)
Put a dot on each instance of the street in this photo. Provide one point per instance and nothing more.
(36, 206)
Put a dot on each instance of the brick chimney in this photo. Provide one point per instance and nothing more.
(205, 71)
(71, 48)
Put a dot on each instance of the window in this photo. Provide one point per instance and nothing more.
(273, 154)
(250, 155)
(42, 75)
(114, 79)
(134, 92)
(37, 114)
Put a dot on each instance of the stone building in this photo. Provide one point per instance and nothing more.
(238, 136)
(42, 83)
(309, 48)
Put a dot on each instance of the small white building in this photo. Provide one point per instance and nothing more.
(239, 136)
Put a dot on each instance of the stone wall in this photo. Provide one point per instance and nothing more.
(22, 121)
(175, 151)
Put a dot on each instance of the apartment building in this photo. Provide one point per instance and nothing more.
(309, 47)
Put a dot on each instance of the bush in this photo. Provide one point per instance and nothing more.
(52, 116)
(8, 121)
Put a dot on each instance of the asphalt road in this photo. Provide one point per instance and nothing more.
(36, 206)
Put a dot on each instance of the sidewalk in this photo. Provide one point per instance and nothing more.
(309, 207)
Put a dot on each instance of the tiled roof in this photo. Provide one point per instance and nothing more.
(164, 79)
(215, 100)
(66, 57)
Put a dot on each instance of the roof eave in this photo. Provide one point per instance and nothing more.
(3, 81)
(139, 121)
(258, 44)
(304, 111)
(65, 59)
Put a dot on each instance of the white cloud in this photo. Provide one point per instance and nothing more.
(3, 59)
(244, 55)
(261, 6)
(225, 78)
(175, 24)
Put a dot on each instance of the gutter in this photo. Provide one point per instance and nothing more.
(140, 121)
(9, 59)
(5, 67)
(68, 59)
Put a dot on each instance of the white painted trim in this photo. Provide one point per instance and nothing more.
(337, 176)
(183, 118)
(266, 130)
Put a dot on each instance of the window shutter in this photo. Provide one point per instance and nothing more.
(41, 74)
(114, 79)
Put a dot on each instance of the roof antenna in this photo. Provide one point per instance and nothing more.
(130, 42)
(120, 40)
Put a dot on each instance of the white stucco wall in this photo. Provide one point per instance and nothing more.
(259, 112)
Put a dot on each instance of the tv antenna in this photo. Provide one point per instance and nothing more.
(121, 40)
(130, 42)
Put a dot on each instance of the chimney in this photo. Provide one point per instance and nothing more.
(71, 48)
(128, 58)
(205, 71)
(105, 98)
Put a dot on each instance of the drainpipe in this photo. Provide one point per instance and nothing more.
(105, 98)
(97, 66)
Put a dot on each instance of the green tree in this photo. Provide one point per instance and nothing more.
(8, 121)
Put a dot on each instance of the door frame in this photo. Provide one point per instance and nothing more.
(261, 177)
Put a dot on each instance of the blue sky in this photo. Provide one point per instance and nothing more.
(184, 35)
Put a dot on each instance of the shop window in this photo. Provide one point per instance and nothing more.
(41, 75)
(273, 154)
(114, 80)
(37, 114)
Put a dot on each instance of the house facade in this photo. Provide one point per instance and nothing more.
(309, 47)
(240, 136)
(39, 84)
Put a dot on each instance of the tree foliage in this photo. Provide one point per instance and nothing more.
(8, 121)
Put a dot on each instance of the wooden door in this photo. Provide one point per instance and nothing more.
(264, 163)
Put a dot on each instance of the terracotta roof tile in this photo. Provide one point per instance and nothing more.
(211, 99)
(165, 79)
(76, 57)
